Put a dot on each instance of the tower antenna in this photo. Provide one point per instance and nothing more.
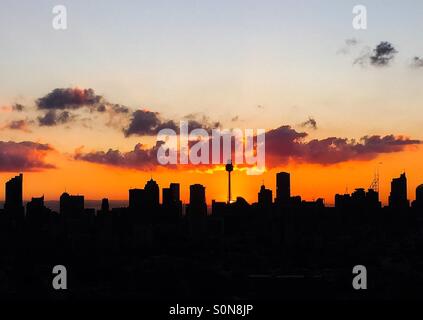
(229, 168)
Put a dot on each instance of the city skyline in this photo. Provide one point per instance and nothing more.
(334, 109)
(155, 195)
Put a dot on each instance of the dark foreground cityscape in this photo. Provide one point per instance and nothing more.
(275, 249)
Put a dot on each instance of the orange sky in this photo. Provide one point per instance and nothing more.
(310, 181)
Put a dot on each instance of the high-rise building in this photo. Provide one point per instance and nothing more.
(172, 204)
(175, 192)
(265, 197)
(105, 207)
(171, 195)
(283, 188)
(418, 203)
(398, 196)
(152, 195)
(197, 200)
(136, 198)
(13, 196)
(71, 206)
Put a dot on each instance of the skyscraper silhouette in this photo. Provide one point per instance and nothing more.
(13, 205)
(398, 196)
(152, 195)
(172, 204)
(265, 197)
(197, 200)
(418, 203)
(283, 188)
(14, 201)
(171, 195)
(136, 198)
(105, 207)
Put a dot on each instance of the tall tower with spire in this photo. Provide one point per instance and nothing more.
(229, 169)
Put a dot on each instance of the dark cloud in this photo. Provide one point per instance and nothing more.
(139, 158)
(68, 98)
(417, 62)
(64, 99)
(311, 123)
(23, 156)
(200, 121)
(18, 107)
(118, 108)
(22, 125)
(381, 56)
(53, 117)
(146, 123)
(285, 144)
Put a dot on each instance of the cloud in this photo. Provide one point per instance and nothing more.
(139, 158)
(348, 45)
(417, 62)
(18, 107)
(144, 122)
(200, 121)
(52, 118)
(147, 123)
(381, 56)
(283, 145)
(23, 156)
(286, 144)
(68, 98)
(311, 123)
(22, 125)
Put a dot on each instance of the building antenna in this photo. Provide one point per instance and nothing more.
(375, 185)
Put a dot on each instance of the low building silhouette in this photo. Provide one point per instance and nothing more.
(71, 206)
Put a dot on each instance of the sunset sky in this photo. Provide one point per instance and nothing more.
(124, 69)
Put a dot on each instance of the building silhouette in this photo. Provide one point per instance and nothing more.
(418, 203)
(263, 247)
(13, 196)
(171, 195)
(265, 197)
(360, 199)
(136, 199)
(36, 212)
(71, 206)
(197, 200)
(105, 207)
(398, 196)
(171, 203)
(152, 195)
(283, 188)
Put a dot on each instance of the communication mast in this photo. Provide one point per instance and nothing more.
(375, 183)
